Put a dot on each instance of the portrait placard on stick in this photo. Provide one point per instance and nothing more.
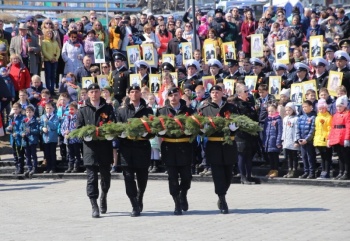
(86, 81)
(316, 46)
(133, 53)
(282, 52)
(256, 45)
(229, 50)
(275, 86)
(148, 53)
(334, 81)
(99, 52)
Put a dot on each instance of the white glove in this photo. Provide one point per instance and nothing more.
(346, 143)
(144, 134)
(123, 135)
(88, 138)
(187, 133)
(204, 128)
(233, 127)
(162, 132)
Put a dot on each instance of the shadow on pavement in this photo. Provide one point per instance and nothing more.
(21, 188)
(277, 210)
(30, 184)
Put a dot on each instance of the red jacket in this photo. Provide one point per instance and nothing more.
(20, 75)
(340, 128)
(246, 30)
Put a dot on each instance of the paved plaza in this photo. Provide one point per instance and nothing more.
(49, 209)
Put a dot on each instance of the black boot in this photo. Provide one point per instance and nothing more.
(140, 200)
(76, 168)
(244, 180)
(95, 209)
(103, 202)
(135, 207)
(70, 168)
(183, 200)
(223, 204)
(339, 176)
(177, 210)
(344, 176)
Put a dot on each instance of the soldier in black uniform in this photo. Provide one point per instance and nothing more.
(220, 157)
(257, 71)
(342, 59)
(321, 73)
(98, 155)
(143, 69)
(330, 50)
(214, 67)
(135, 154)
(302, 72)
(120, 77)
(280, 70)
(193, 78)
(177, 152)
(291, 72)
(246, 68)
(167, 68)
(233, 69)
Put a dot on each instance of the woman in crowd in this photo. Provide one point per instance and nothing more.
(69, 86)
(100, 33)
(164, 37)
(88, 44)
(151, 38)
(71, 27)
(248, 28)
(51, 52)
(19, 74)
(72, 53)
(216, 41)
(188, 34)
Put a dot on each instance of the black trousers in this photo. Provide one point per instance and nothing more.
(173, 177)
(18, 154)
(63, 148)
(245, 163)
(222, 176)
(50, 155)
(292, 159)
(326, 158)
(74, 153)
(92, 180)
(131, 187)
(274, 160)
(343, 153)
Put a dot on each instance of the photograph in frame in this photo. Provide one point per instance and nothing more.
(282, 52)
(307, 85)
(334, 80)
(154, 83)
(297, 93)
(99, 52)
(133, 54)
(208, 82)
(134, 80)
(209, 52)
(175, 78)
(229, 50)
(148, 53)
(102, 81)
(250, 82)
(168, 58)
(229, 87)
(275, 83)
(256, 45)
(86, 81)
(316, 46)
(187, 52)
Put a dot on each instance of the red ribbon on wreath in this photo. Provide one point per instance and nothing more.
(212, 122)
(179, 123)
(162, 122)
(146, 125)
(197, 121)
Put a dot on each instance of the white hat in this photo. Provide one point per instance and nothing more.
(214, 62)
(141, 64)
(278, 66)
(193, 63)
(317, 61)
(301, 67)
(256, 61)
(342, 101)
(340, 54)
(291, 105)
(285, 92)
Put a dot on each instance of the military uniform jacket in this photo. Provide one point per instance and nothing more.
(218, 78)
(322, 80)
(346, 77)
(176, 153)
(216, 152)
(134, 153)
(120, 80)
(233, 76)
(193, 82)
(96, 152)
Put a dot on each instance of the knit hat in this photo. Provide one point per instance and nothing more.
(203, 19)
(285, 92)
(342, 101)
(291, 105)
(3, 69)
(322, 103)
(109, 89)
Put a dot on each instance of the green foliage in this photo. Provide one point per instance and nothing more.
(193, 127)
(246, 124)
(112, 129)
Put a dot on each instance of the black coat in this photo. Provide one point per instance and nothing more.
(120, 83)
(96, 152)
(193, 82)
(176, 153)
(134, 153)
(322, 81)
(217, 153)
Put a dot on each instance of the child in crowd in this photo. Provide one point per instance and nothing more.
(284, 99)
(6, 101)
(311, 96)
(30, 139)
(34, 91)
(324, 94)
(45, 98)
(322, 128)
(155, 143)
(49, 126)
(201, 95)
(82, 97)
(272, 139)
(14, 129)
(305, 135)
(94, 71)
(341, 91)
(70, 86)
(23, 100)
(69, 124)
(339, 136)
(197, 55)
(289, 138)
(62, 111)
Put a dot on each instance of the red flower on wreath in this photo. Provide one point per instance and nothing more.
(151, 118)
(170, 115)
(187, 114)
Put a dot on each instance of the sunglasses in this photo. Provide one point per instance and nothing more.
(93, 18)
(104, 67)
(95, 72)
(246, 91)
(336, 38)
(265, 51)
(49, 23)
(187, 25)
(262, 22)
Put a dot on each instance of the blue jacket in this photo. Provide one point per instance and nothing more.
(273, 128)
(263, 103)
(33, 90)
(16, 129)
(32, 137)
(52, 126)
(69, 123)
(61, 113)
(306, 127)
(317, 30)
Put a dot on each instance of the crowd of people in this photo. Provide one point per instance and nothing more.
(309, 121)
